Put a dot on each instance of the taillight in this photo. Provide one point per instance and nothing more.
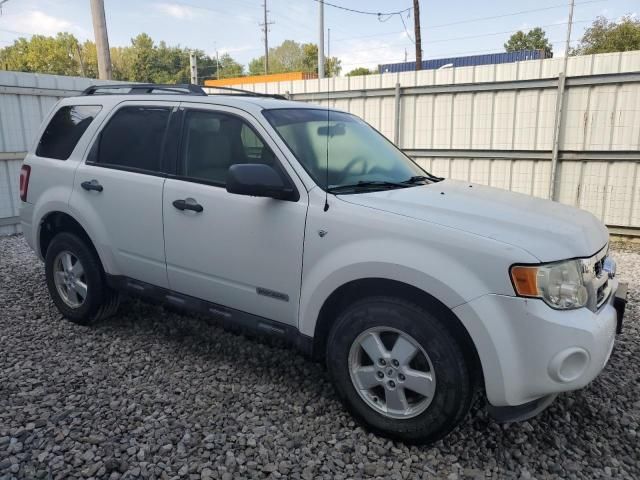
(24, 181)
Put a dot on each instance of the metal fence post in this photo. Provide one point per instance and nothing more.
(557, 126)
(397, 119)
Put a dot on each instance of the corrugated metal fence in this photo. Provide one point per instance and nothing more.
(25, 99)
(494, 124)
(490, 124)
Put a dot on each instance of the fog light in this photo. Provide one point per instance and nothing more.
(568, 365)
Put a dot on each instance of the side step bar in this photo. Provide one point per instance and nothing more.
(232, 320)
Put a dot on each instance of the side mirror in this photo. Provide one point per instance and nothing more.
(258, 180)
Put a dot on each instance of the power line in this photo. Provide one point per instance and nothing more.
(191, 5)
(521, 12)
(17, 33)
(364, 12)
(471, 20)
(450, 39)
(406, 31)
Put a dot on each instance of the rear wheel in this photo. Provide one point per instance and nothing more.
(399, 369)
(76, 282)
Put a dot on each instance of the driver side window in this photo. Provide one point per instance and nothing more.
(213, 141)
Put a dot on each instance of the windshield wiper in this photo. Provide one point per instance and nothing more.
(422, 178)
(366, 184)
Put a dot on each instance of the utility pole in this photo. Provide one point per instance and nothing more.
(321, 41)
(102, 39)
(265, 29)
(80, 59)
(193, 67)
(329, 73)
(217, 65)
(562, 78)
(416, 27)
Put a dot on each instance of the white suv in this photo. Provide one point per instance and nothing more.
(307, 224)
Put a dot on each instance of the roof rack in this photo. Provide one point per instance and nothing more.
(144, 88)
(246, 93)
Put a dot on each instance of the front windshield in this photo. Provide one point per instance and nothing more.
(358, 156)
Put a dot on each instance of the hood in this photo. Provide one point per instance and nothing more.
(548, 230)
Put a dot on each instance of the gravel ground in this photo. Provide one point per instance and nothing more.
(154, 394)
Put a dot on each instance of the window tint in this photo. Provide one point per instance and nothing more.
(65, 129)
(133, 139)
(214, 141)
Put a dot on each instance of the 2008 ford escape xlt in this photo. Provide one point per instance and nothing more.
(306, 223)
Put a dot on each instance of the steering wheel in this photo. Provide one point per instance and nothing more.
(352, 163)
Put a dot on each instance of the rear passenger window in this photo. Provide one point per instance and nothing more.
(133, 139)
(65, 129)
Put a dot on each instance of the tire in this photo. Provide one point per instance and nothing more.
(451, 390)
(99, 301)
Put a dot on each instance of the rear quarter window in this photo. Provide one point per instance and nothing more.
(65, 130)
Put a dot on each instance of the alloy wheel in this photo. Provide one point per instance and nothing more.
(391, 372)
(70, 279)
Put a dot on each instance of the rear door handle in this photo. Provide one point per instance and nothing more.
(92, 185)
(188, 204)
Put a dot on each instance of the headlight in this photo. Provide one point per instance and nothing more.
(559, 284)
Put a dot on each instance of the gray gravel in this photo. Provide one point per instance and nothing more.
(155, 394)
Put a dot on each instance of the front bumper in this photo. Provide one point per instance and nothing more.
(529, 350)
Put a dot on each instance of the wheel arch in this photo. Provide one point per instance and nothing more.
(57, 222)
(369, 287)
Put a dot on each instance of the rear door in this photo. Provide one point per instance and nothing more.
(237, 251)
(118, 189)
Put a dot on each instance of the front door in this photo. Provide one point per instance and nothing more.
(237, 251)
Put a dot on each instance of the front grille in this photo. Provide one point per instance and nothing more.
(596, 279)
(598, 267)
(602, 294)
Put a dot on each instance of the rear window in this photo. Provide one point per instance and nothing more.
(132, 139)
(65, 129)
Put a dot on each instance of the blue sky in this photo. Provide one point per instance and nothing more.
(450, 28)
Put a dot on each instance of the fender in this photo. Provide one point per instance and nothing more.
(409, 261)
(53, 206)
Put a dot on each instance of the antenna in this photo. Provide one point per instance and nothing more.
(326, 188)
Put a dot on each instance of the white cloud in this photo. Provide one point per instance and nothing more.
(370, 52)
(232, 50)
(180, 12)
(38, 22)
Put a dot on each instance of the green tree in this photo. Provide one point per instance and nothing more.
(332, 65)
(291, 56)
(57, 55)
(535, 39)
(605, 36)
(359, 71)
(142, 61)
(229, 67)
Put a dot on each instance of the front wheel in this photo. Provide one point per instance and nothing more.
(399, 369)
